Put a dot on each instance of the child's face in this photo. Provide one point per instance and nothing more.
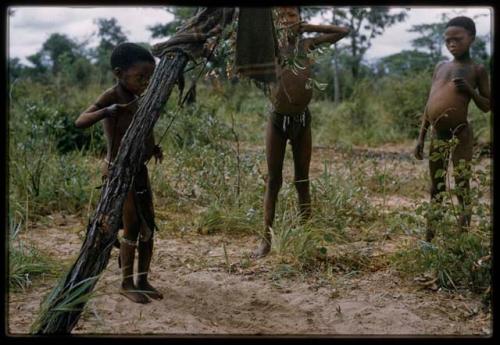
(457, 40)
(290, 16)
(136, 78)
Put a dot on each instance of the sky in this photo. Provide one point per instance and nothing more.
(29, 26)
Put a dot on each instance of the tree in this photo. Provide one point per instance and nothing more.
(431, 38)
(110, 35)
(16, 69)
(57, 55)
(478, 50)
(58, 47)
(365, 23)
(181, 14)
(404, 62)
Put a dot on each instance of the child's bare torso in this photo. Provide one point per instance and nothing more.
(115, 127)
(289, 95)
(447, 107)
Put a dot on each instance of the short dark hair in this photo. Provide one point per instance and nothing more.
(464, 22)
(126, 54)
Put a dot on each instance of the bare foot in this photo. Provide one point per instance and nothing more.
(149, 290)
(263, 249)
(129, 291)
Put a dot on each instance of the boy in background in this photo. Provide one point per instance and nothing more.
(454, 85)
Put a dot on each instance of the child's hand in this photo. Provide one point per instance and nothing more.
(158, 153)
(463, 86)
(115, 109)
(419, 151)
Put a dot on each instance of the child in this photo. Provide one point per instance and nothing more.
(290, 118)
(453, 86)
(133, 66)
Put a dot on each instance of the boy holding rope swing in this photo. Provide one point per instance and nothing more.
(133, 67)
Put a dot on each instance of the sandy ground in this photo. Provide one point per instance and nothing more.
(206, 294)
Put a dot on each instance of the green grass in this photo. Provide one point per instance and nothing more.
(26, 262)
(213, 174)
(457, 260)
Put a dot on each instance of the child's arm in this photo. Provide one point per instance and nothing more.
(482, 98)
(332, 34)
(101, 109)
(91, 115)
(419, 149)
(326, 29)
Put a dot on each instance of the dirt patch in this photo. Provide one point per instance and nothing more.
(205, 294)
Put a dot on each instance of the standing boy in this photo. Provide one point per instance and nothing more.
(132, 66)
(290, 118)
(454, 84)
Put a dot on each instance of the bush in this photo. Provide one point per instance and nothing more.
(404, 98)
(456, 259)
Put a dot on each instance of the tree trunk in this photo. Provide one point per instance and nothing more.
(354, 52)
(336, 82)
(63, 307)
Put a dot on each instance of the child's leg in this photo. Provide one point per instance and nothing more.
(462, 157)
(437, 187)
(127, 250)
(275, 154)
(145, 248)
(302, 147)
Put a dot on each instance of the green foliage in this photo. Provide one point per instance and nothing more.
(362, 119)
(458, 262)
(458, 257)
(405, 63)
(342, 199)
(25, 261)
(365, 23)
(214, 166)
(180, 14)
(46, 168)
(431, 37)
(73, 298)
(404, 99)
(56, 48)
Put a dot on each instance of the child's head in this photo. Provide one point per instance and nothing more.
(459, 34)
(133, 65)
(289, 17)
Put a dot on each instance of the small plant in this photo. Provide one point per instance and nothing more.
(457, 259)
(26, 263)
